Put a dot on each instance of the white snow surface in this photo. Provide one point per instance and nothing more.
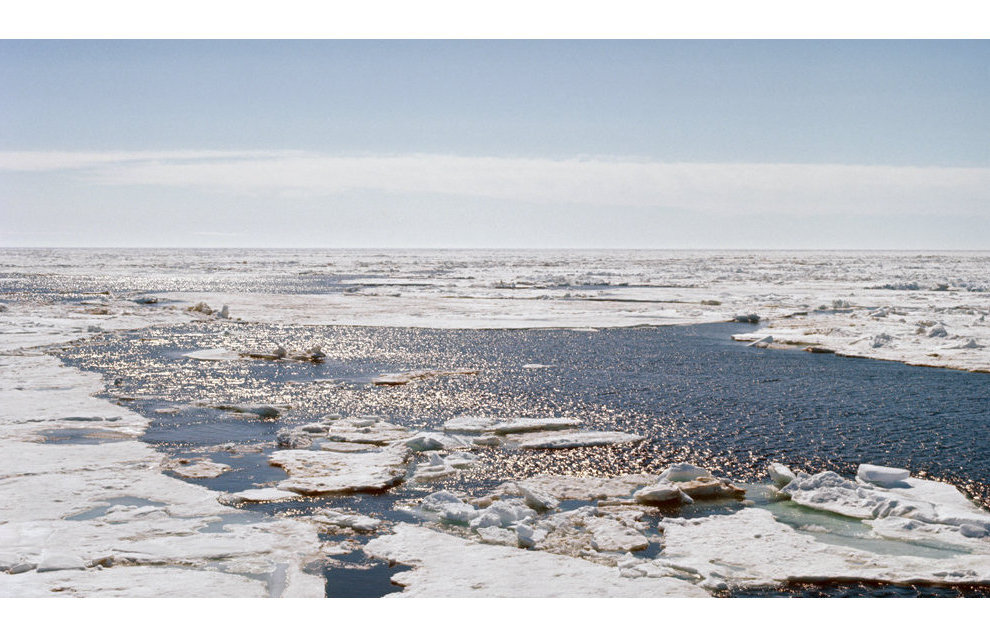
(316, 472)
(446, 566)
(751, 548)
(572, 439)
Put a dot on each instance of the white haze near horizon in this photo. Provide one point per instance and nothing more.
(307, 199)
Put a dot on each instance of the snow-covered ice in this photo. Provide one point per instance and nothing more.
(446, 566)
(569, 439)
(314, 472)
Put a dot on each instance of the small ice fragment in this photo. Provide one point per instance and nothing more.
(487, 441)
(503, 514)
(663, 492)
(528, 536)
(468, 424)
(497, 536)
(973, 531)
(684, 472)
(20, 568)
(938, 331)
(356, 522)
(57, 561)
(881, 475)
(780, 474)
(8, 560)
(881, 340)
(762, 342)
(260, 410)
(537, 498)
(258, 495)
(426, 441)
(292, 439)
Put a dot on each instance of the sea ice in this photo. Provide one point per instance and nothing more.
(442, 466)
(357, 522)
(662, 492)
(447, 566)
(751, 548)
(260, 410)
(258, 495)
(780, 474)
(195, 468)
(586, 488)
(568, 439)
(468, 425)
(366, 430)
(536, 498)
(425, 441)
(402, 378)
(316, 472)
(685, 482)
(882, 476)
(449, 508)
(684, 472)
(516, 426)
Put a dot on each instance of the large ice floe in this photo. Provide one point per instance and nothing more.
(448, 566)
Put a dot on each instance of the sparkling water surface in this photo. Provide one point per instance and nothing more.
(691, 391)
(695, 395)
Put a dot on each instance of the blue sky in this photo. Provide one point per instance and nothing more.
(667, 144)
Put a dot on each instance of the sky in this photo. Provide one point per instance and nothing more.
(558, 144)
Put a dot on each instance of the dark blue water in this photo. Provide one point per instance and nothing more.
(696, 395)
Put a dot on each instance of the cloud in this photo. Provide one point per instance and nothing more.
(712, 188)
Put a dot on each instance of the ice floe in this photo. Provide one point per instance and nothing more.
(448, 566)
(316, 472)
(260, 410)
(195, 468)
(436, 466)
(572, 439)
(526, 424)
(258, 495)
(347, 520)
(402, 378)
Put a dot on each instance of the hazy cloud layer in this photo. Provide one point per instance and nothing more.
(715, 188)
